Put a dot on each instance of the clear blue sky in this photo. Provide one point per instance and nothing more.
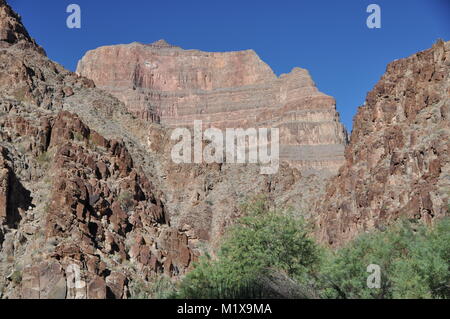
(328, 37)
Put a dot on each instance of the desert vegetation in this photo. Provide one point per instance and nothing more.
(272, 254)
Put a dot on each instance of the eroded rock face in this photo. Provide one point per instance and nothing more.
(86, 185)
(43, 281)
(174, 87)
(14, 197)
(98, 203)
(101, 199)
(204, 199)
(69, 196)
(397, 163)
(12, 32)
(4, 188)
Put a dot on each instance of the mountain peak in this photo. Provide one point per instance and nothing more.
(162, 44)
(12, 31)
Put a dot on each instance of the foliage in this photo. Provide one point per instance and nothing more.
(126, 201)
(155, 288)
(44, 158)
(78, 137)
(262, 241)
(425, 273)
(16, 277)
(20, 94)
(414, 262)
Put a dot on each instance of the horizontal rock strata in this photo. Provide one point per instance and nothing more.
(174, 87)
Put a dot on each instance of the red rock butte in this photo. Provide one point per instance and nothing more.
(172, 86)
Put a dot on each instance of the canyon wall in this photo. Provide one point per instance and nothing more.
(86, 185)
(397, 164)
(87, 181)
(166, 84)
(69, 196)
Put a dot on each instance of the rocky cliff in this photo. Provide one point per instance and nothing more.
(12, 31)
(86, 185)
(398, 161)
(174, 87)
(70, 197)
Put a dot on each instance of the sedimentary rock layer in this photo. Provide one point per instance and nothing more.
(167, 84)
(85, 185)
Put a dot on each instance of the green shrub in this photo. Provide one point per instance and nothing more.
(261, 242)
(155, 288)
(20, 94)
(126, 201)
(414, 262)
(425, 272)
(21, 148)
(78, 137)
(16, 277)
(44, 158)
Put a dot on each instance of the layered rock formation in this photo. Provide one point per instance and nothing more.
(174, 87)
(85, 185)
(398, 160)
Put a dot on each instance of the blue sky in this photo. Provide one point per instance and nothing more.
(328, 37)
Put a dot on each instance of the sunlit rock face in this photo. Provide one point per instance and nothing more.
(86, 186)
(12, 31)
(398, 160)
(71, 198)
(166, 84)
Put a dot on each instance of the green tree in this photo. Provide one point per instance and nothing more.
(267, 249)
(263, 241)
(425, 272)
(414, 262)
